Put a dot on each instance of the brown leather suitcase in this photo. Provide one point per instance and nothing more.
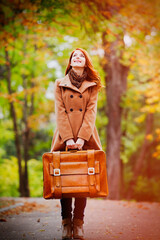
(74, 174)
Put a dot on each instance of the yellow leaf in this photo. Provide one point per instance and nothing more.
(149, 137)
(140, 119)
(157, 131)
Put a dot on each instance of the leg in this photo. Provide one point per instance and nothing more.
(79, 207)
(66, 208)
(66, 213)
(80, 204)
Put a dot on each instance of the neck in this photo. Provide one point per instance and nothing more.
(78, 70)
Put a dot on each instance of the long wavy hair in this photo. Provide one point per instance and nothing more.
(92, 74)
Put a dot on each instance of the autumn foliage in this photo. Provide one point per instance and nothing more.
(123, 40)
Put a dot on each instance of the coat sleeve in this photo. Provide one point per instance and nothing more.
(62, 121)
(89, 119)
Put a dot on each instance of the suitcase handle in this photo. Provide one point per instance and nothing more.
(72, 150)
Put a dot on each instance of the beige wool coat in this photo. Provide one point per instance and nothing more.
(75, 111)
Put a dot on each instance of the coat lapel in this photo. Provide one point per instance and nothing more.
(65, 82)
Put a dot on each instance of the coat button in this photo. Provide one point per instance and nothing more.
(80, 109)
(71, 96)
(80, 96)
(71, 109)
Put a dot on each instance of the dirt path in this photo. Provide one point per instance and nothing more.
(104, 219)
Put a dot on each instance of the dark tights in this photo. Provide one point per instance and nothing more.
(79, 206)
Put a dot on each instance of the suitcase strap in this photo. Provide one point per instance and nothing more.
(57, 178)
(91, 173)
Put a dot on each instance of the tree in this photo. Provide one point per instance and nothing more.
(127, 34)
(21, 44)
(116, 22)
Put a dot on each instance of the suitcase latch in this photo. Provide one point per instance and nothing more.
(56, 172)
(91, 171)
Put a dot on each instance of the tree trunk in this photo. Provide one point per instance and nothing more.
(116, 82)
(124, 117)
(26, 133)
(15, 127)
(27, 111)
(143, 151)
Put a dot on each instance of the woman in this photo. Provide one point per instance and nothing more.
(75, 108)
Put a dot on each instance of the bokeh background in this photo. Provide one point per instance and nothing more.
(123, 39)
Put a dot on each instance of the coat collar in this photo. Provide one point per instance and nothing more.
(65, 82)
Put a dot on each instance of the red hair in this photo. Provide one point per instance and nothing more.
(92, 74)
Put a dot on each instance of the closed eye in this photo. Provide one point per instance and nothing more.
(80, 55)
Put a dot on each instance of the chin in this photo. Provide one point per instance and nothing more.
(78, 66)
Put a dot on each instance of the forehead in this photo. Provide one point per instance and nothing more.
(78, 52)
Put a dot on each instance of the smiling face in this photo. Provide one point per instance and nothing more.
(78, 59)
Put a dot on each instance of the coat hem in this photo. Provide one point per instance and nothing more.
(67, 138)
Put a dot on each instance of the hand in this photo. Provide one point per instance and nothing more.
(71, 144)
(80, 143)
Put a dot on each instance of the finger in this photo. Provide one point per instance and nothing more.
(76, 146)
(73, 146)
(79, 146)
(70, 146)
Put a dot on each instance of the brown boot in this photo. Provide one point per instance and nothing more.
(78, 232)
(67, 229)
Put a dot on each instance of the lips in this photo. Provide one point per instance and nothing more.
(77, 61)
